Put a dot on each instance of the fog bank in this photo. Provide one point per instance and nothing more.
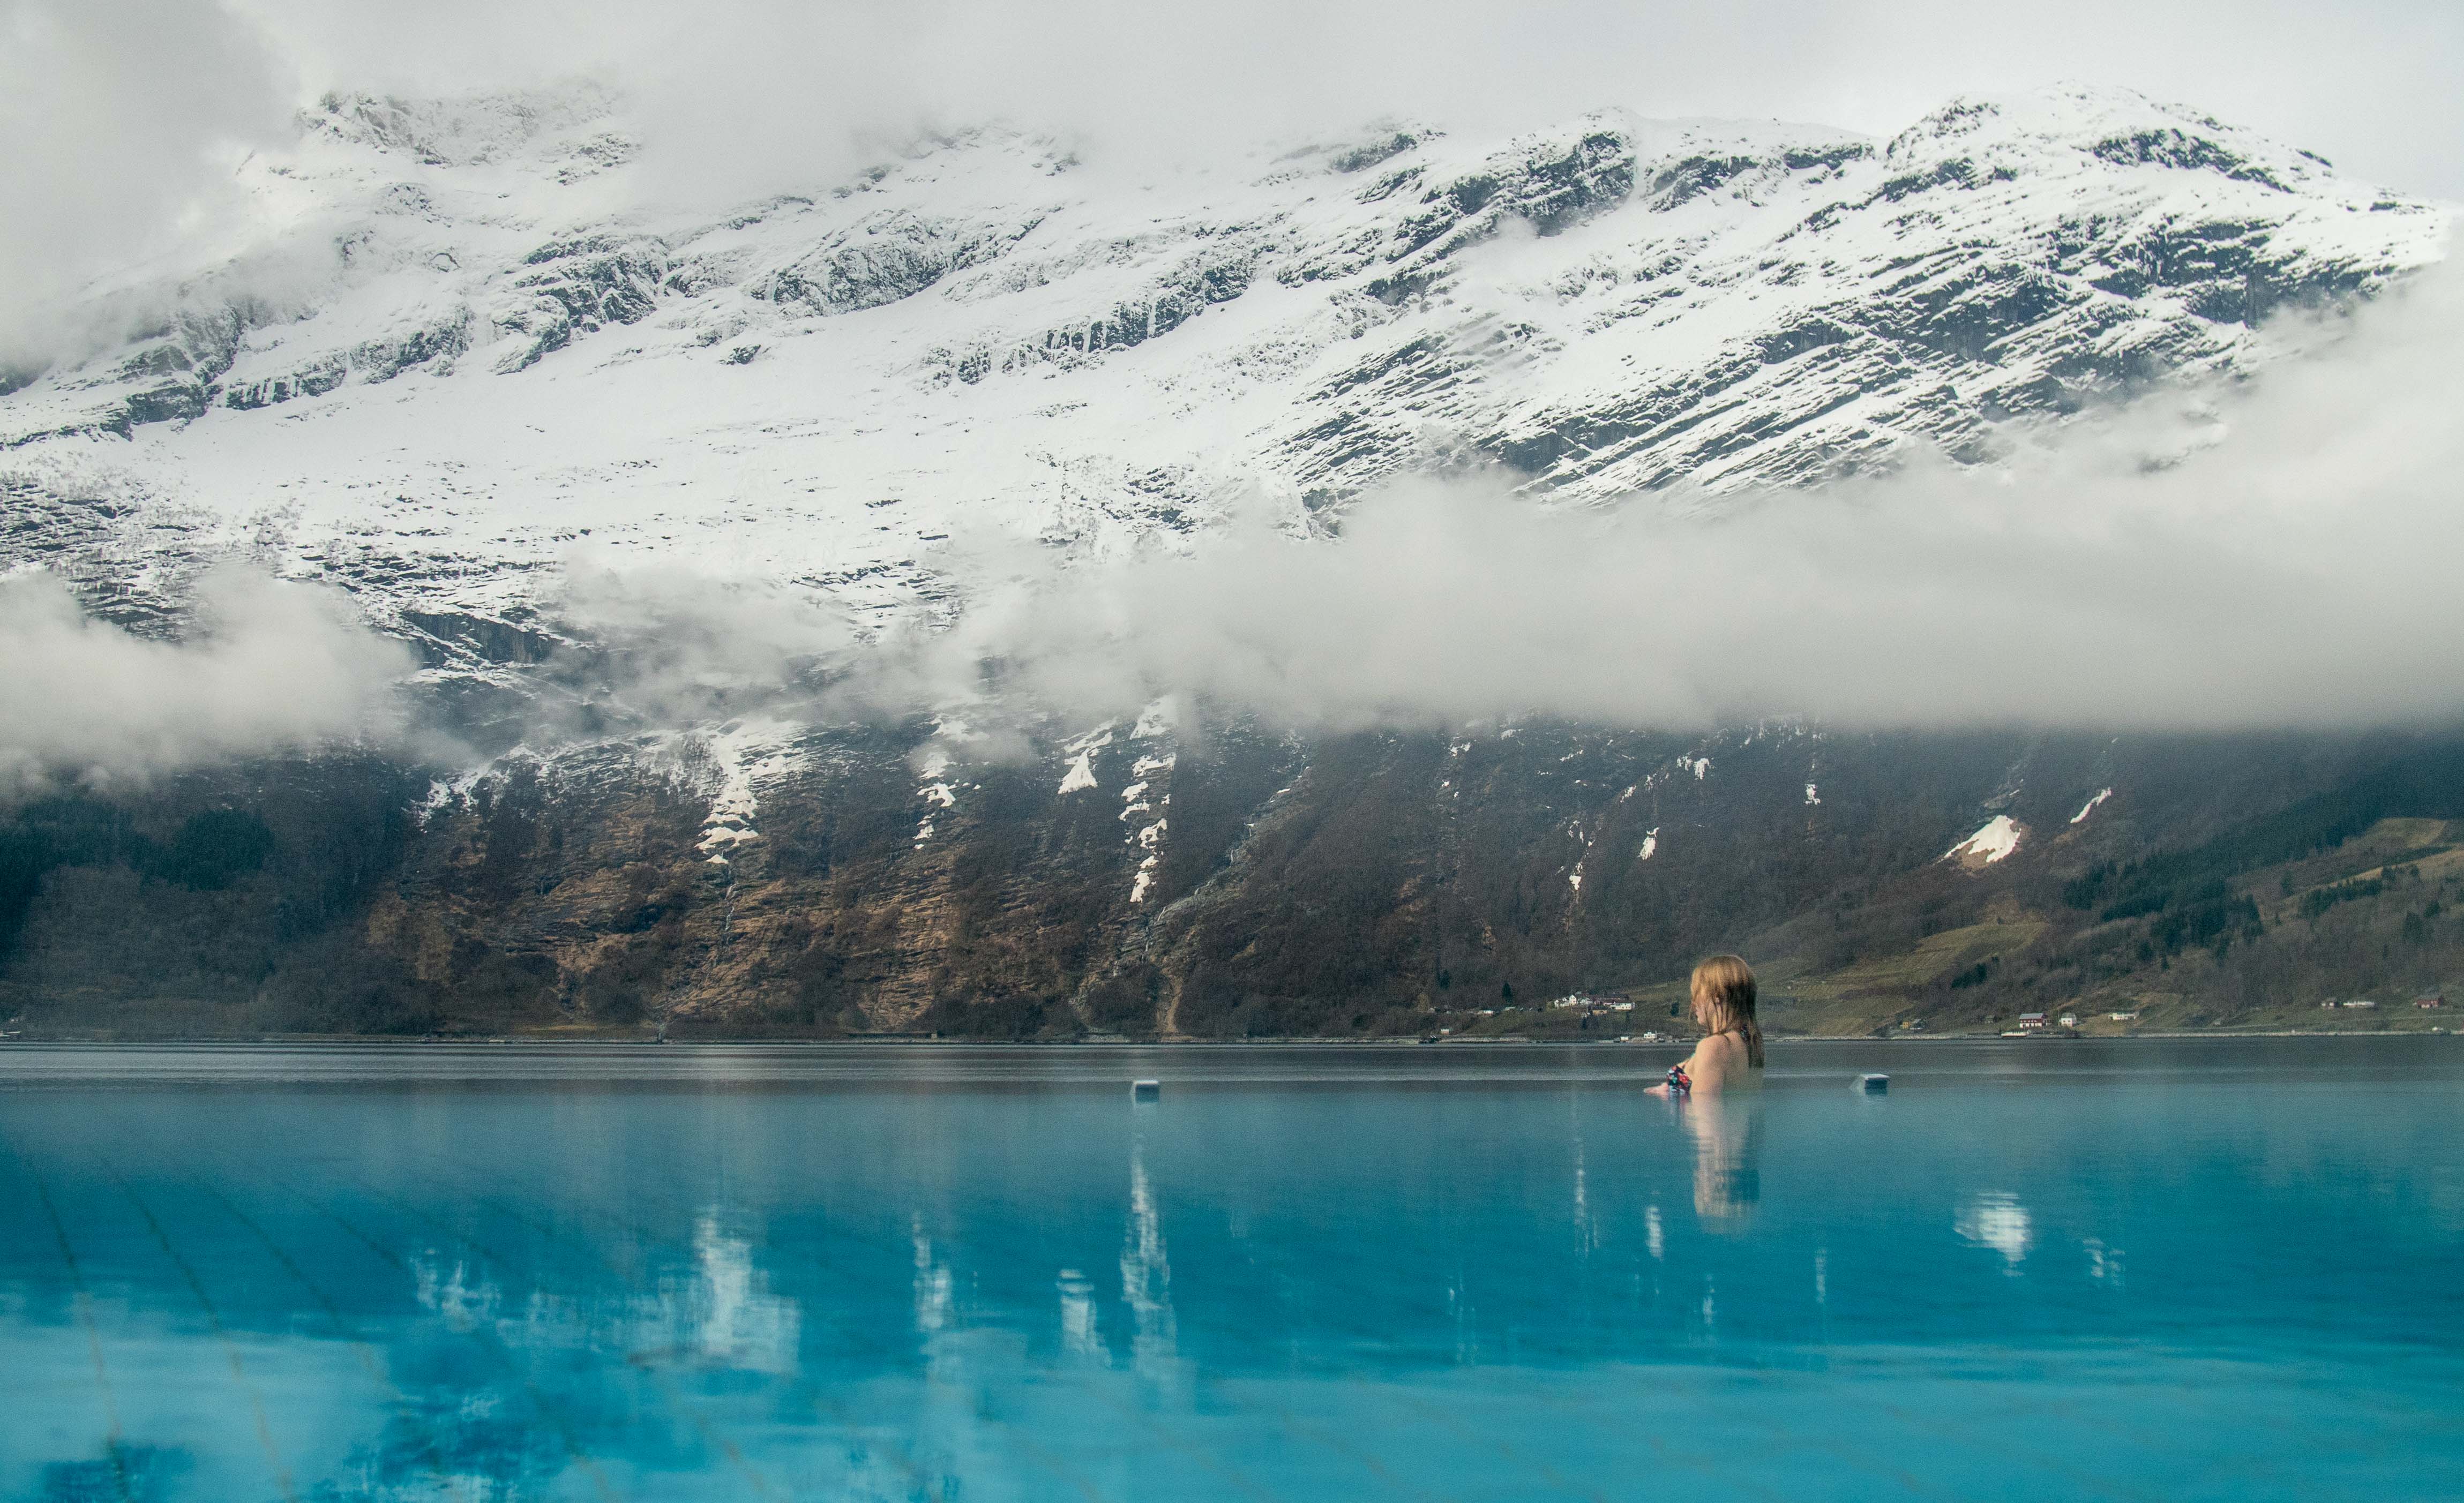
(275, 667)
(2280, 555)
(2283, 554)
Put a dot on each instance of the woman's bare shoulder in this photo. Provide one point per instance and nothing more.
(1726, 1057)
(1723, 1047)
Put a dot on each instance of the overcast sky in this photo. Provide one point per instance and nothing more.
(2371, 83)
(119, 118)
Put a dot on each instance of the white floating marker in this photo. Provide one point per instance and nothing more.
(1875, 1084)
(1146, 1090)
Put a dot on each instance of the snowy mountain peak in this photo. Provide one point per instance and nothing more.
(465, 342)
(2118, 128)
(477, 129)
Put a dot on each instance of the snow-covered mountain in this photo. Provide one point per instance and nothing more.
(464, 338)
(461, 340)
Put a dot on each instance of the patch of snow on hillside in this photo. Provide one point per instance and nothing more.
(1151, 839)
(1081, 773)
(743, 755)
(443, 793)
(1999, 837)
(1574, 877)
(1701, 768)
(2089, 807)
(1650, 843)
(1812, 794)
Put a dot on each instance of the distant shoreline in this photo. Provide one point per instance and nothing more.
(921, 1040)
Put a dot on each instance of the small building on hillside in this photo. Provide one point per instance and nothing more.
(2361, 1002)
(2430, 1001)
(2031, 1020)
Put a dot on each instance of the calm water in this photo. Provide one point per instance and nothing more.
(2143, 1271)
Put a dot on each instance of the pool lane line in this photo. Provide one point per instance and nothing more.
(665, 1384)
(112, 1437)
(1714, 1475)
(637, 1283)
(366, 1355)
(890, 1356)
(215, 1323)
(900, 1454)
(491, 1343)
(1132, 1415)
(1914, 1422)
(1446, 1420)
(1173, 1442)
(1318, 1435)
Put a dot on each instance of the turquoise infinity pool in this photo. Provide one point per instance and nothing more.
(2229, 1269)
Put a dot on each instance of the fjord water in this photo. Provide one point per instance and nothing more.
(2132, 1270)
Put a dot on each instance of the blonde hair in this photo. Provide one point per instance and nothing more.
(1723, 1001)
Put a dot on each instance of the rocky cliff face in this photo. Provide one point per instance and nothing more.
(1241, 884)
(468, 347)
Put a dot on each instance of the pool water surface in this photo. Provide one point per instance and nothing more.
(2135, 1269)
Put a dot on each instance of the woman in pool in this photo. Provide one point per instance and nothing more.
(1730, 1056)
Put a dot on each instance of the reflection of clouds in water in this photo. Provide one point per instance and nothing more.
(720, 1314)
(1587, 1221)
(2103, 1263)
(148, 1414)
(1080, 1336)
(933, 1297)
(727, 1305)
(1146, 1270)
(1997, 1220)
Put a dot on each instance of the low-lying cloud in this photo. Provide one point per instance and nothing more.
(2280, 554)
(272, 667)
(121, 123)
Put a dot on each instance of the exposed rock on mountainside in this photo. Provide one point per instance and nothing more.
(816, 883)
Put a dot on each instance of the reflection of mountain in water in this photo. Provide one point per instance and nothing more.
(1310, 1280)
(1145, 1271)
(718, 1314)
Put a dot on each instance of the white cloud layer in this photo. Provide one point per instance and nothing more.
(120, 121)
(2278, 555)
(276, 666)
